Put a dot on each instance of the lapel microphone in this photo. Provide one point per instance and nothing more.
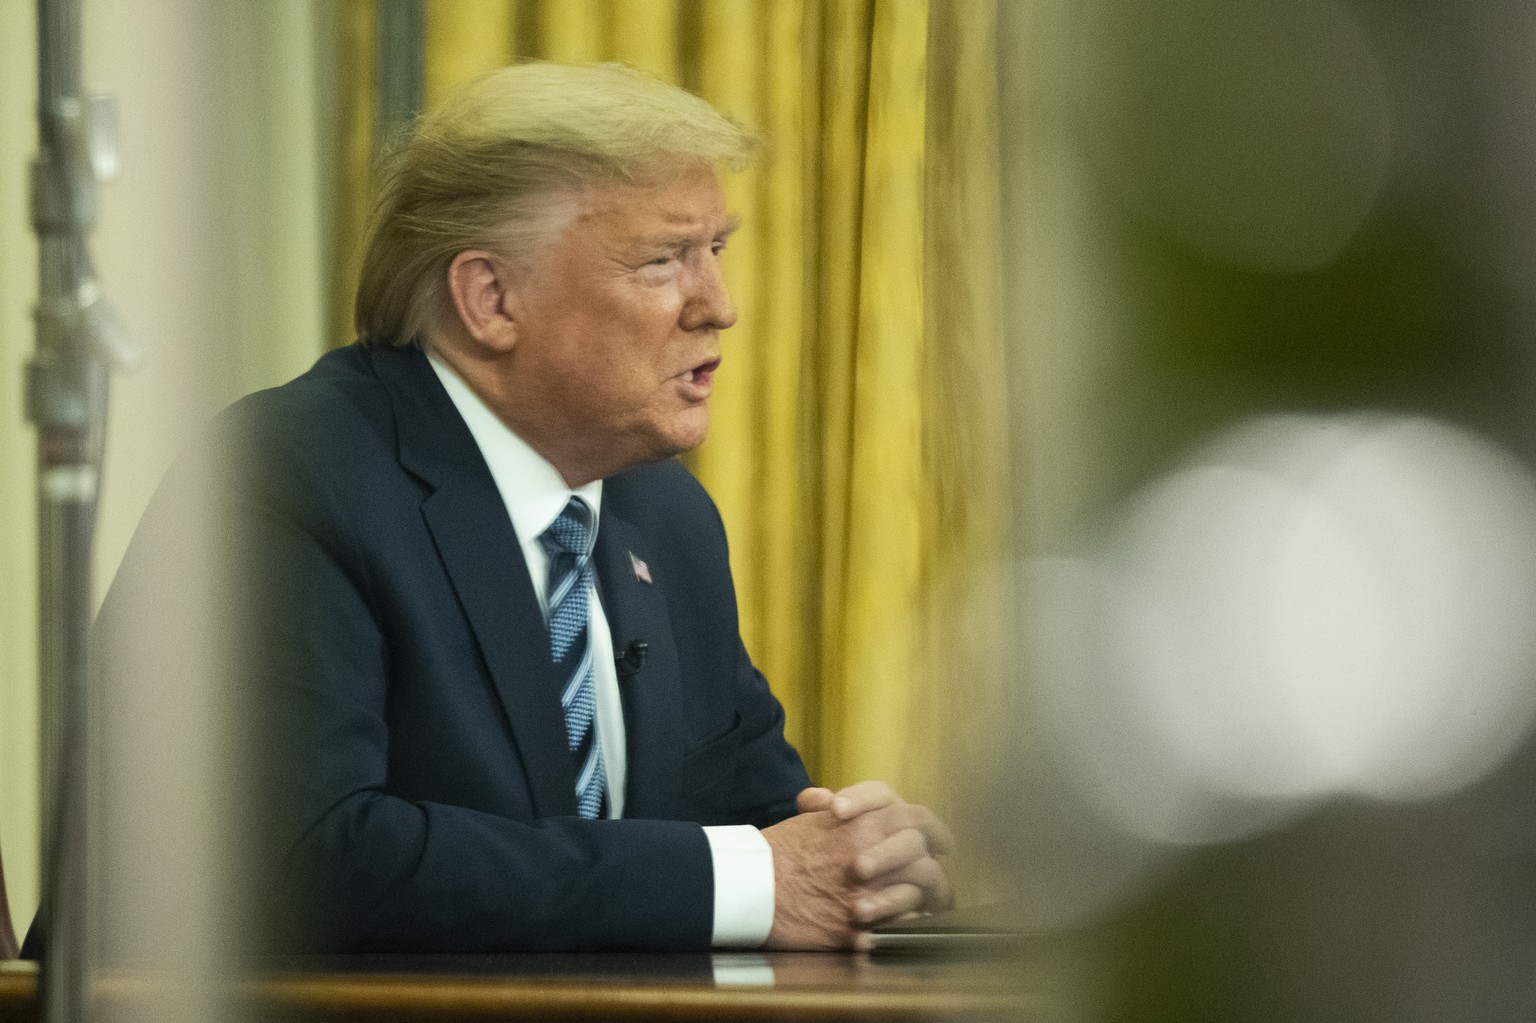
(633, 658)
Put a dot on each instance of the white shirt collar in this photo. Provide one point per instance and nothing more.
(532, 489)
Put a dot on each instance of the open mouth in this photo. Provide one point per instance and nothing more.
(702, 372)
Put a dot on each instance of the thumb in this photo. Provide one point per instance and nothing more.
(812, 800)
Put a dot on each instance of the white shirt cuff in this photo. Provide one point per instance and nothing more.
(743, 863)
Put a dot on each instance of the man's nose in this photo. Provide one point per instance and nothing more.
(709, 305)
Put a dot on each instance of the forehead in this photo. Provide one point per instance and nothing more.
(685, 203)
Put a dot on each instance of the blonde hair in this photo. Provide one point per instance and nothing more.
(479, 173)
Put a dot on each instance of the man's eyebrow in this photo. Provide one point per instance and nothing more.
(679, 241)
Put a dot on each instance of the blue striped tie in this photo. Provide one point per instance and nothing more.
(568, 541)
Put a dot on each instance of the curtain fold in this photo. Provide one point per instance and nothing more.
(881, 493)
(573, 29)
(840, 80)
(478, 44)
(857, 448)
(645, 35)
(355, 124)
(968, 656)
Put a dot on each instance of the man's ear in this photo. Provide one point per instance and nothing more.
(480, 284)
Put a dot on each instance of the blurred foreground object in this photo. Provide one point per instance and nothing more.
(7, 933)
(1282, 755)
(1255, 132)
(1270, 292)
(1316, 606)
(78, 339)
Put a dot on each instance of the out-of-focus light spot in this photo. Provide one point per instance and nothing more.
(1255, 132)
(1318, 605)
(1133, 744)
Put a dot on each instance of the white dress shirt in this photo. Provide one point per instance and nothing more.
(535, 494)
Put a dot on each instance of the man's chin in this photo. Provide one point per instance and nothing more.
(663, 449)
(687, 434)
(681, 437)
(677, 449)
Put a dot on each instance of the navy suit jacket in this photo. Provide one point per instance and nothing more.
(415, 792)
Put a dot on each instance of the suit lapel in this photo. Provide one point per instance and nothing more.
(468, 522)
(637, 612)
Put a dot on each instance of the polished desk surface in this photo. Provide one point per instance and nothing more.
(611, 986)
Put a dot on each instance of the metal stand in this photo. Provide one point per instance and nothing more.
(78, 338)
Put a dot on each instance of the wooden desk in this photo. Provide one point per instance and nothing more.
(773, 986)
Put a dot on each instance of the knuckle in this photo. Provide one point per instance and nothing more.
(866, 865)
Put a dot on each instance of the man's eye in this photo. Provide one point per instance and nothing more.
(662, 260)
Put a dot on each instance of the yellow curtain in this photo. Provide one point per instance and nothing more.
(857, 440)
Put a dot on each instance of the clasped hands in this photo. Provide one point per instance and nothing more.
(850, 860)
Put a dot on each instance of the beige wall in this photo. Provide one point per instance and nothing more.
(18, 560)
(210, 243)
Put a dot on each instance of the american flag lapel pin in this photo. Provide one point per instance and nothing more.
(642, 570)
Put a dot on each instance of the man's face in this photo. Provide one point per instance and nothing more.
(618, 320)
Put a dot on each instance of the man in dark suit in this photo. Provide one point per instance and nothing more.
(489, 620)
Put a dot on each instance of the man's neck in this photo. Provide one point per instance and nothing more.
(486, 378)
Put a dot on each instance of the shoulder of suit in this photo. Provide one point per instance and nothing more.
(331, 422)
(339, 384)
(339, 400)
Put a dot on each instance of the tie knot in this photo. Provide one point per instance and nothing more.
(571, 533)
